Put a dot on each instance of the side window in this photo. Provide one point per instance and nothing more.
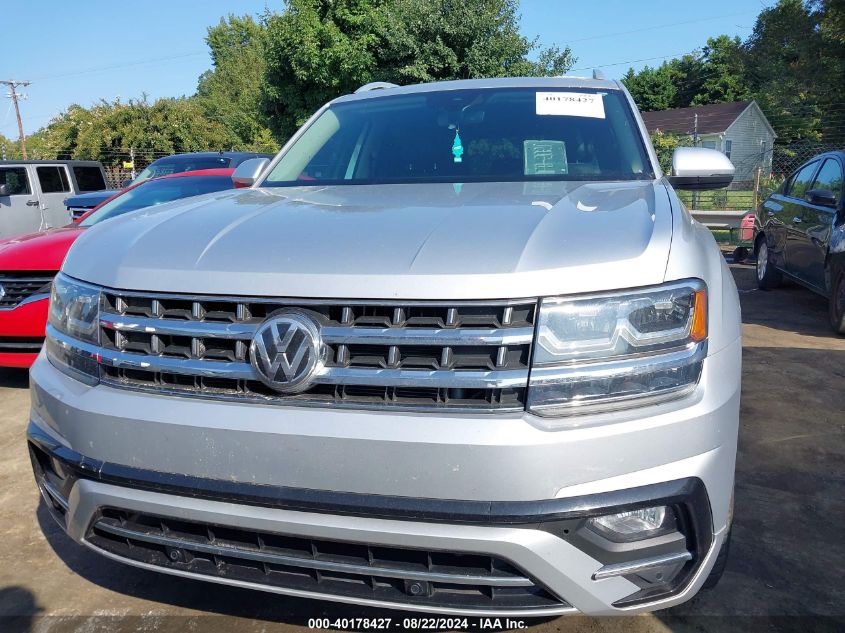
(800, 182)
(15, 180)
(53, 179)
(830, 178)
(89, 178)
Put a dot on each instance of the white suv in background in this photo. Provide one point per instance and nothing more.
(32, 192)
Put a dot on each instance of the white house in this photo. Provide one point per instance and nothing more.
(740, 130)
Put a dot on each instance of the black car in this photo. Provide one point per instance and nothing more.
(175, 164)
(800, 233)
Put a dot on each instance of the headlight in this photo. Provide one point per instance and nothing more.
(603, 351)
(74, 315)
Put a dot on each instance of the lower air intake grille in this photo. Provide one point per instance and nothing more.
(356, 570)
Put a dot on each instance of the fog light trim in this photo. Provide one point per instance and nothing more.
(635, 566)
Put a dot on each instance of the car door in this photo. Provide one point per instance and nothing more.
(811, 244)
(776, 216)
(792, 216)
(54, 187)
(19, 212)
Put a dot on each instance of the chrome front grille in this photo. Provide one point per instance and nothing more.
(466, 355)
(16, 288)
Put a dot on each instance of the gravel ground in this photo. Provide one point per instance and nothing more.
(785, 571)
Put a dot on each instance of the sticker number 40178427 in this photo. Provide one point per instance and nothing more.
(585, 104)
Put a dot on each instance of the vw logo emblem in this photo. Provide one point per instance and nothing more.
(286, 351)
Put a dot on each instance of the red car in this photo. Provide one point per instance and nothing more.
(28, 263)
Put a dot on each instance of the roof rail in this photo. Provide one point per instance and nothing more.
(376, 85)
(597, 74)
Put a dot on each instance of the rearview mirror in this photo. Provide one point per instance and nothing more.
(4, 190)
(247, 173)
(822, 197)
(699, 168)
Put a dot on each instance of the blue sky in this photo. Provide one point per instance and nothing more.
(83, 50)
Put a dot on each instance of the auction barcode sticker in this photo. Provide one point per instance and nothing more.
(585, 104)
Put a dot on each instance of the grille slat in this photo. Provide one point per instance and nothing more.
(21, 344)
(19, 287)
(463, 355)
(373, 571)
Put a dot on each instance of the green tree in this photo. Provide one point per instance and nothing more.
(785, 52)
(664, 146)
(320, 49)
(793, 64)
(108, 130)
(230, 93)
(652, 88)
(723, 72)
(11, 147)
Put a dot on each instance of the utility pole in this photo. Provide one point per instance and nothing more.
(14, 95)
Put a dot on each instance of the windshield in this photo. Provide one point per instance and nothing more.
(178, 164)
(155, 192)
(482, 135)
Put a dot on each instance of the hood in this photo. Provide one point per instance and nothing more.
(90, 199)
(433, 241)
(44, 250)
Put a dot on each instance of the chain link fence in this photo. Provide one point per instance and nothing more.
(746, 196)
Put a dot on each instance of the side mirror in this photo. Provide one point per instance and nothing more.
(822, 197)
(699, 168)
(126, 183)
(247, 173)
(4, 190)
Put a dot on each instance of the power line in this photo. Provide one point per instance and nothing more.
(14, 95)
(652, 28)
(120, 66)
(634, 61)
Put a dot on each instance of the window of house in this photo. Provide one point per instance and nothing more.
(728, 147)
(15, 180)
(53, 179)
(708, 144)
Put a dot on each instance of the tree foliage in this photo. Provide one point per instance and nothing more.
(792, 63)
(320, 49)
(230, 93)
(107, 130)
(664, 146)
(716, 74)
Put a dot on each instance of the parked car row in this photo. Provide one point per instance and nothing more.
(84, 202)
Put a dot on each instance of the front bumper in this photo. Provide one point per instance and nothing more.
(476, 485)
(22, 331)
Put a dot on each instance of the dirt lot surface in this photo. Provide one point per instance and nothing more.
(785, 571)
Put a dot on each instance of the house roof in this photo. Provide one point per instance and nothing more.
(713, 118)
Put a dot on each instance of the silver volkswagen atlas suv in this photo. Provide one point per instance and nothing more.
(459, 348)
